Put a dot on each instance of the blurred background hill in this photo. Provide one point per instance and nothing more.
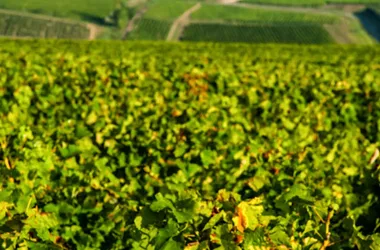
(253, 21)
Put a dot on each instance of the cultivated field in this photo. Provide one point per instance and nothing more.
(310, 2)
(137, 145)
(15, 24)
(150, 29)
(344, 21)
(259, 33)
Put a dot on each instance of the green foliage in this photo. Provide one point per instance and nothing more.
(19, 25)
(111, 145)
(264, 33)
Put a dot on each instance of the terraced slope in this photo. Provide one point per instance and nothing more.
(242, 24)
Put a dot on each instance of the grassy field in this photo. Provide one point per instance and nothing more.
(85, 10)
(167, 9)
(150, 29)
(137, 145)
(232, 13)
(28, 25)
(264, 33)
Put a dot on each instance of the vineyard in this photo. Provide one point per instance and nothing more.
(288, 2)
(310, 2)
(353, 1)
(232, 13)
(260, 33)
(17, 25)
(239, 24)
(150, 29)
(123, 145)
(311, 21)
(157, 21)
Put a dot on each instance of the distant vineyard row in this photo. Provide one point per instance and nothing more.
(150, 29)
(234, 24)
(31, 26)
(310, 2)
(264, 33)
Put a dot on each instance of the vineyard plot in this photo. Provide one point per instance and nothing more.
(141, 145)
(31, 26)
(259, 33)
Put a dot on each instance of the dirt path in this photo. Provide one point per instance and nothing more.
(180, 22)
(227, 1)
(131, 23)
(94, 31)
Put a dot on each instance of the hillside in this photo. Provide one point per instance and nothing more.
(83, 10)
(115, 145)
(254, 21)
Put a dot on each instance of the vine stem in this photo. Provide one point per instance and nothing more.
(7, 163)
(326, 242)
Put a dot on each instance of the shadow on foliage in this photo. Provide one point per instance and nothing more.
(92, 18)
(370, 21)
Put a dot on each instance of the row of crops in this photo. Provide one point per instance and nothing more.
(150, 29)
(31, 26)
(234, 24)
(310, 2)
(260, 33)
(287, 2)
(114, 145)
